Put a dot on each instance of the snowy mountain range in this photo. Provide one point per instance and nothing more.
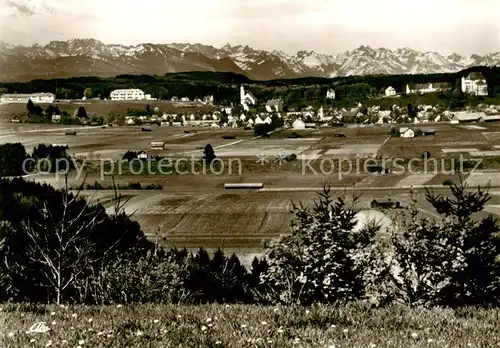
(84, 57)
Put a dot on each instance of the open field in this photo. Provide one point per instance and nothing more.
(105, 108)
(194, 210)
(353, 326)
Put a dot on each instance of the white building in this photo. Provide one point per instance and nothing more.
(406, 132)
(299, 124)
(127, 94)
(424, 88)
(475, 84)
(390, 91)
(247, 98)
(24, 98)
(330, 94)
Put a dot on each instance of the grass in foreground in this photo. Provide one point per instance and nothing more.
(247, 326)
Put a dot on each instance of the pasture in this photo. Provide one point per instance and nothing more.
(349, 326)
(194, 210)
(107, 108)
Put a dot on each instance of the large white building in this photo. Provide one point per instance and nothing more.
(24, 98)
(475, 84)
(423, 88)
(129, 94)
(330, 94)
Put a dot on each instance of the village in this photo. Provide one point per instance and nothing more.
(250, 111)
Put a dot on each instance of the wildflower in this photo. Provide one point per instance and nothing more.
(78, 346)
(156, 321)
(218, 342)
(11, 334)
(119, 306)
(210, 325)
(54, 322)
(280, 330)
(307, 311)
(81, 342)
(48, 344)
(52, 313)
(345, 330)
(209, 320)
(276, 310)
(430, 340)
(263, 322)
(100, 333)
(333, 326)
(227, 306)
(139, 333)
(203, 328)
(414, 335)
(179, 316)
(109, 336)
(269, 341)
(64, 341)
(243, 326)
(74, 315)
(331, 346)
(373, 345)
(90, 320)
(32, 340)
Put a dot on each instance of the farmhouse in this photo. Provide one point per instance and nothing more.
(406, 132)
(467, 117)
(299, 124)
(390, 91)
(24, 98)
(127, 94)
(330, 94)
(475, 84)
(274, 105)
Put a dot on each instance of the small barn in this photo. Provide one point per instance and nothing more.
(157, 145)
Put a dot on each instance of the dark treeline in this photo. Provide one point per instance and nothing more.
(224, 86)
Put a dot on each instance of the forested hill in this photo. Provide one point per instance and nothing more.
(224, 86)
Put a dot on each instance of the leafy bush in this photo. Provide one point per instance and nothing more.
(322, 259)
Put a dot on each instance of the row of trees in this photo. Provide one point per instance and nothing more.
(225, 86)
(72, 251)
(15, 161)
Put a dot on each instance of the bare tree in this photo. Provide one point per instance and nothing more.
(60, 243)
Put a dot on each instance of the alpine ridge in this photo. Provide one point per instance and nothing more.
(90, 57)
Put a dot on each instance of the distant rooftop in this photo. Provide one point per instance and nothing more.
(477, 75)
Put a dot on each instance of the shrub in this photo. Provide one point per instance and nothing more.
(322, 259)
(453, 262)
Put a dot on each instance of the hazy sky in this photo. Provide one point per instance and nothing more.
(327, 26)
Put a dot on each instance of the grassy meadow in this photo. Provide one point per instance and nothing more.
(353, 325)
